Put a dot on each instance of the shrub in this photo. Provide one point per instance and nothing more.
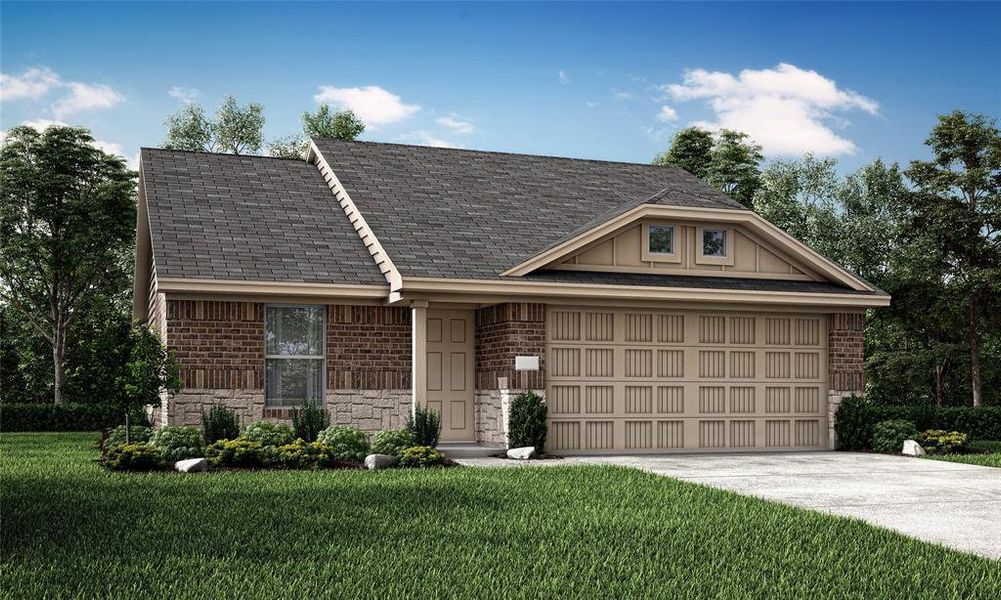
(177, 443)
(309, 420)
(344, 443)
(425, 426)
(980, 423)
(889, 436)
(392, 441)
(421, 456)
(266, 433)
(58, 417)
(132, 457)
(116, 436)
(239, 453)
(301, 454)
(527, 421)
(939, 441)
(220, 423)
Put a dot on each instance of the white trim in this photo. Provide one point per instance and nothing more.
(265, 288)
(375, 248)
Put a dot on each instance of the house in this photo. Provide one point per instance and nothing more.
(653, 312)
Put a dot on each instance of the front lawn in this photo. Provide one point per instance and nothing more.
(71, 529)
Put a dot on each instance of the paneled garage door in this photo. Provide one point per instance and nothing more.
(654, 381)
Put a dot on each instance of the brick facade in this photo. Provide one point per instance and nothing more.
(847, 360)
(504, 331)
(218, 344)
(368, 347)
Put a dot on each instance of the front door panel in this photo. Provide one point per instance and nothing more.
(450, 354)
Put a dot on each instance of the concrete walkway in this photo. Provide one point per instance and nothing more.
(952, 504)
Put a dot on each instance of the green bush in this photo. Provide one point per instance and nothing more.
(392, 441)
(132, 457)
(267, 433)
(425, 426)
(58, 417)
(527, 422)
(220, 423)
(116, 436)
(889, 436)
(860, 416)
(178, 442)
(309, 420)
(301, 454)
(239, 453)
(939, 441)
(421, 456)
(345, 443)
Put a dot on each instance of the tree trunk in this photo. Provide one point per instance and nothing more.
(939, 386)
(59, 374)
(975, 381)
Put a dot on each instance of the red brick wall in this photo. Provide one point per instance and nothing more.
(504, 331)
(218, 344)
(368, 347)
(847, 358)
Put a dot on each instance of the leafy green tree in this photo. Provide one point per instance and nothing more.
(149, 369)
(691, 149)
(734, 166)
(957, 205)
(799, 196)
(728, 160)
(324, 123)
(235, 129)
(67, 215)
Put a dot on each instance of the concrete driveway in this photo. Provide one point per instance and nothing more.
(947, 503)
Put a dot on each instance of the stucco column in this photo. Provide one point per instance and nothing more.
(419, 331)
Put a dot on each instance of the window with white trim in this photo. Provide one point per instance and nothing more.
(661, 239)
(714, 242)
(293, 355)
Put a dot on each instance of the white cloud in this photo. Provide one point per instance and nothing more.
(667, 114)
(456, 123)
(426, 138)
(372, 104)
(85, 96)
(184, 94)
(42, 124)
(31, 84)
(620, 95)
(562, 76)
(787, 110)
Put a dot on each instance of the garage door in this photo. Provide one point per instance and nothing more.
(655, 381)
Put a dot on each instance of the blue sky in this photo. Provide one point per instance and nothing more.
(854, 81)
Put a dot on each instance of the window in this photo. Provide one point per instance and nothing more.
(661, 239)
(714, 242)
(293, 355)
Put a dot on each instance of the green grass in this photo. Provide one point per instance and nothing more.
(986, 453)
(71, 530)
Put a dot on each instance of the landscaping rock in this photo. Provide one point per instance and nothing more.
(521, 453)
(912, 448)
(380, 461)
(192, 465)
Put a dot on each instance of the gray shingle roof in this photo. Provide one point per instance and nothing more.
(688, 281)
(219, 216)
(471, 214)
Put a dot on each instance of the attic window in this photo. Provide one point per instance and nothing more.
(714, 242)
(661, 239)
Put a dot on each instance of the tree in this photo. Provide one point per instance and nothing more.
(236, 129)
(957, 205)
(341, 125)
(67, 215)
(799, 197)
(728, 160)
(734, 166)
(691, 150)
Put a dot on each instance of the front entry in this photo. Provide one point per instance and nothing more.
(451, 351)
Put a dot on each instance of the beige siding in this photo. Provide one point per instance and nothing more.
(651, 381)
(623, 252)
